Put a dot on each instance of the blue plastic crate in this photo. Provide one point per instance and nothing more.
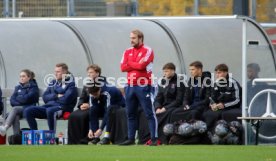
(27, 137)
(44, 137)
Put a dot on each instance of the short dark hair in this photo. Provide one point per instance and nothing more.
(95, 67)
(197, 64)
(93, 88)
(222, 67)
(63, 66)
(169, 66)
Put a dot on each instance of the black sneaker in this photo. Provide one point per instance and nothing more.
(105, 141)
(85, 140)
(95, 141)
(128, 142)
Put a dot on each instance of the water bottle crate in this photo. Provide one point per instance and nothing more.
(38, 137)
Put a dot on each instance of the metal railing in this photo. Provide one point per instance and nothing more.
(263, 11)
(66, 8)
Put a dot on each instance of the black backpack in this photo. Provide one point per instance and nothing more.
(16, 139)
(180, 140)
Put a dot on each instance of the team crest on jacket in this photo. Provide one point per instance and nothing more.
(19, 91)
(173, 86)
(140, 54)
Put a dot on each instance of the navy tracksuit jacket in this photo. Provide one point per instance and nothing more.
(53, 103)
(110, 97)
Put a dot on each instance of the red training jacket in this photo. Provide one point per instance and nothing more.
(138, 63)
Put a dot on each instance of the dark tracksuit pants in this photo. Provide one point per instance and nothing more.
(118, 126)
(187, 115)
(227, 114)
(136, 95)
(143, 127)
(42, 112)
(97, 112)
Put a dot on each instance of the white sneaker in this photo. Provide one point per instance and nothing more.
(3, 131)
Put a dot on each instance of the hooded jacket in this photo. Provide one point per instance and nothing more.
(25, 94)
(67, 88)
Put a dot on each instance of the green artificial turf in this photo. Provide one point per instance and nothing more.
(137, 153)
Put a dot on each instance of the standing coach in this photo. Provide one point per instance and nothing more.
(137, 61)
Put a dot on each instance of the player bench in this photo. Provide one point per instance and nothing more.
(255, 122)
